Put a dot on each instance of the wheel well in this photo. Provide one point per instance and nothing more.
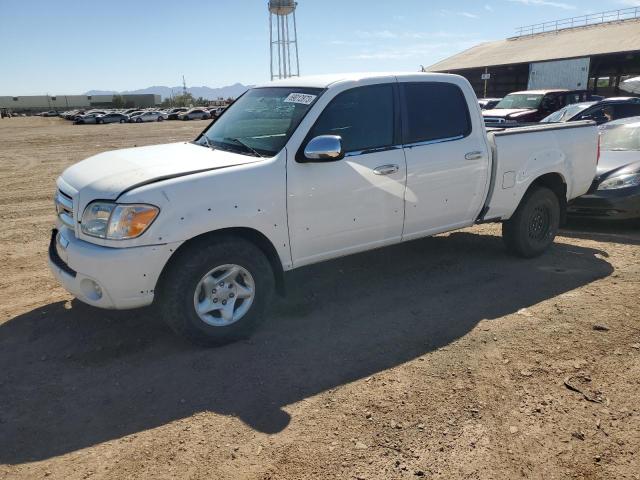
(555, 183)
(249, 234)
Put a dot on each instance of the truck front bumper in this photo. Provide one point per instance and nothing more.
(113, 278)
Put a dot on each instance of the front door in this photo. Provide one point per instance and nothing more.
(356, 203)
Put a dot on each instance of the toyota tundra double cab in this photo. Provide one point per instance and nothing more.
(301, 171)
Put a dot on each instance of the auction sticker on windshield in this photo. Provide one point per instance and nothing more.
(302, 98)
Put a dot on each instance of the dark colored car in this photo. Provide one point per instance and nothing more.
(614, 108)
(112, 118)
(610, 109)
(174, 112)
(615, 194)
(532, 106)
(488, 103)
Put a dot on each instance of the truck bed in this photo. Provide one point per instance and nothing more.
(521, 154)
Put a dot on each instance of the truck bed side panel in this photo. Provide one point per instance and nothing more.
(521, 155)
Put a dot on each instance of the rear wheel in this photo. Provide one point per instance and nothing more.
(534, 225)
(216, 292)
(138, 120)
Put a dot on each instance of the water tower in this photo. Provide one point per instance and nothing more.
(283, 39)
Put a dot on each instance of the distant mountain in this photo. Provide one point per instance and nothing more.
(209, 93)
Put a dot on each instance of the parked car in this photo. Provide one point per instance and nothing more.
(206, 229)
(112, 117)
(568, 113)
(616, 190)
(488, 103)
(219, 111)
(72, 114)
(149, 116)
(174, 112)
(194, 114)
(87, 118)
(613, 108)
(532, 106)
(88, 114)
(50, 113)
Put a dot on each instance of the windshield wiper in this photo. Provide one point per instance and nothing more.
(207, 142)
(243, 144)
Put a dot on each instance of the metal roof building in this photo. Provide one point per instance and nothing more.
(33, 103)
(594, 52)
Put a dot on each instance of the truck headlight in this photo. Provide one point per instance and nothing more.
(621, 181)
(117, 222)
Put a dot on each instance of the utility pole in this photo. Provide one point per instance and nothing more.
(184, 87)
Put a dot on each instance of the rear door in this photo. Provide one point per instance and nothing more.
(356, 203)
(447, 158)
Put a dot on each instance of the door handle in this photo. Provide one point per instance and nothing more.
(473, 156)
(386, 169)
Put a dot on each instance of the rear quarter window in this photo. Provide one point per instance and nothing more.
(434, 111)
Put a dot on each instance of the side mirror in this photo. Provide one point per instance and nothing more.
(325, 148)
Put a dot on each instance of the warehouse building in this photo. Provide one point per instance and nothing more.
(595, 52)
(39, 103)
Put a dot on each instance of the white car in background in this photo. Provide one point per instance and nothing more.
(195, 114)
(148, 116)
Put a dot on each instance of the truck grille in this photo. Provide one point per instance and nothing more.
(64, 208)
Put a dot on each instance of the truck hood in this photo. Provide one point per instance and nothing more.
(506, 112)
(107, 175)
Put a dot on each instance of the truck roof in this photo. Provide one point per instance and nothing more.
(325, 81)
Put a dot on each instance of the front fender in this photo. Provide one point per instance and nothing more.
(245, 196)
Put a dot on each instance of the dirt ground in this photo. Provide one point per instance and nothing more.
(440, 358)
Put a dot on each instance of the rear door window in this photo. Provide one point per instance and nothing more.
(362, 116)
(434, 111)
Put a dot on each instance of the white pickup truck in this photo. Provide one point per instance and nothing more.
(297, 172)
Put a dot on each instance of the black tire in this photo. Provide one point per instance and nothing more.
(177, 287)
(138, 120)
(123, 120)
(160, 119)
(99, 122)
(534, 225)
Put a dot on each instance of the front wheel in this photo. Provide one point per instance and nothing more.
(216, 292)
(534, 225)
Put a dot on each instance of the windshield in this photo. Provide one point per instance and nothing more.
(621, 137)
(567, 113)
(262, 120)
(520, 100)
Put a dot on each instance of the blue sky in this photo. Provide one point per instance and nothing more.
(71, 46)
